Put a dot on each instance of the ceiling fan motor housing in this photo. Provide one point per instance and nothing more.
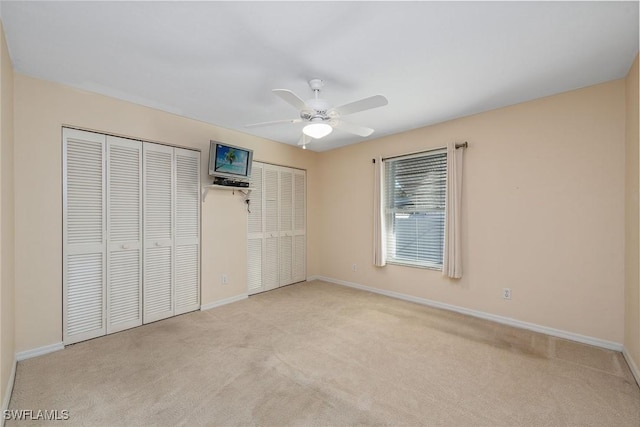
(317, 109)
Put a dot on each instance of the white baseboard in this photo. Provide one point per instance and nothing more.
(223, 302)
(28, 354)
(9, 390)
(632, 365)
(610, 345)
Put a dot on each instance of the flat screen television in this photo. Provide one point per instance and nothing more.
(229, 161)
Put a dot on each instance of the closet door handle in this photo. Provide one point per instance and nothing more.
(125, 246)
(158, 244)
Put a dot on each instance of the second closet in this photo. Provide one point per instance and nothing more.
(276, 246)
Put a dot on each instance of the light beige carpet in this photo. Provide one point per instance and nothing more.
(317, 354)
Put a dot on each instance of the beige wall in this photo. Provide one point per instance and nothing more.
(543, 212)
(41, 109)
(632, 220)
(543, 196)
(7, 306)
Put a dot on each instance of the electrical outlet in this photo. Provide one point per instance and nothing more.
(224, 279)
(506, 293)
(354, 267)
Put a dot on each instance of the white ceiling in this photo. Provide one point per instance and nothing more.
(218, 61)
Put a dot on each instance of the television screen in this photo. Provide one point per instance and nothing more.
(229, 161)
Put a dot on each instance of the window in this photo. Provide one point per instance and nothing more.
(415, 195)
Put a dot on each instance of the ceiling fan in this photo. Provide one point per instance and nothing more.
(322, 118)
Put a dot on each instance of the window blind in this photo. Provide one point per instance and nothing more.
(415, 196)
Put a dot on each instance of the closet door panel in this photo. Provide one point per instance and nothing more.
(158, 292)
(124, 288)
(187, 196)
(187, 236)
(286, 226)
(84, 236)
(255, 233)
(255, 220)
(299, 226)
(286, 257)
(158, 196)
(270, 267)
(299, 192)
(187, 278)
(271, 264)
(299, 258)
(254, 270)
(124, 229)
(85, 297)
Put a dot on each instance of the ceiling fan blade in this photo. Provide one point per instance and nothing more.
(374, 101)
(304, 140)
(291, 98)
(352, 128)
(276, 122)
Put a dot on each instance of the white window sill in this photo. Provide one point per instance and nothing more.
(424, 267)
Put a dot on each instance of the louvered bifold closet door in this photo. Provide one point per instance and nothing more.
(299, 226)
(255, 233)
(286, 227)
(124, 231)
(270, 266)
(84, 235)
(158, 274)
(187, 237)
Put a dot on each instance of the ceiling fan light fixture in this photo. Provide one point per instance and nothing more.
(317, 130)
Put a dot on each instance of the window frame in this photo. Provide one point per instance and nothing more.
(389, 211)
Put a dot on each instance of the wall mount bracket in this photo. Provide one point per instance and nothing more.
(245, 192)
